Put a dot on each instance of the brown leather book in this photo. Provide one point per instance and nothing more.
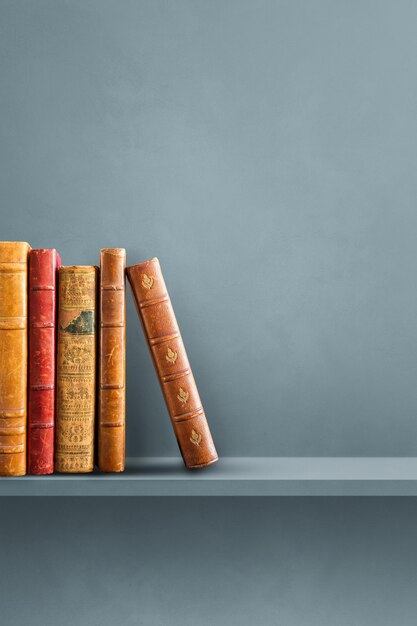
(171, 364)
(76, 369)
(13, 356)
(112, 361)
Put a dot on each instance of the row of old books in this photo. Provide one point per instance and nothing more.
(62, 362)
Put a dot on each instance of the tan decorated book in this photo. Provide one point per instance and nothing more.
(76, 369)
(171, 363)
(13, 356)
(112, 361)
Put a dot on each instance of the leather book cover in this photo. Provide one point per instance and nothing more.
(171, 364)
(43, 269)
(112, 361)
(13, 356)
(76, 369)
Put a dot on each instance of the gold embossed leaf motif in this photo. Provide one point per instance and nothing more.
(183, 395)
(171, 356)
(195, 438)
(147, 281)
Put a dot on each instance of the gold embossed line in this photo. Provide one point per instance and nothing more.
(4, 326)
(42, 387)
(12, 413)
(111, 424)
(163, 339)
(78, 269)
(111, 386)
(12, 449)
(13, 268)
(88, 306)
(85, 374)
(146, 303)
(183, 417)
(13, 322)
(112, 288)
(12, 430)
(112, 324)
(176, 376)
(42, 288)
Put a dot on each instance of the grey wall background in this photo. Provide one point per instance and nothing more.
(266, 153)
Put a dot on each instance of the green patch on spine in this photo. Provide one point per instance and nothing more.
(83, 324)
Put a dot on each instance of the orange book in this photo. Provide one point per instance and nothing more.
(13, 356)
(112, 361)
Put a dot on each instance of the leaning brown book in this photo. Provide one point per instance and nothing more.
(112, 361)
(76, 369)
(13, 356)
(171, 363)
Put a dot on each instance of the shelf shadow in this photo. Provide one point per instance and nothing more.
(170, 467)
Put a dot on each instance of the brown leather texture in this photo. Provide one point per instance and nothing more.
(171, 363)
(13, 356)
(76, 369)
(112, 361)
(43, 270)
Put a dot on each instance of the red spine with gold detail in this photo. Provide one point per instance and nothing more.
(171, 363)
(43, 270)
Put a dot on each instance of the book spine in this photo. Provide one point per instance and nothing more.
(13, 357)
(112, 361)
(43, 265)
(76, 369)
(171, 364)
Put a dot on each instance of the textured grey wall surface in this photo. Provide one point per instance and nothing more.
(192, 562)
(266, 152)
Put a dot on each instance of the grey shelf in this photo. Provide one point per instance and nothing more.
(243, 476)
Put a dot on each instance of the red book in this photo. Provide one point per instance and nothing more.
(43, 273)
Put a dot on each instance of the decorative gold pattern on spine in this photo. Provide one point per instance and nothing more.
(147, 281)
(195, 438)
(183, 396)
(171, 355)
(76, 367)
